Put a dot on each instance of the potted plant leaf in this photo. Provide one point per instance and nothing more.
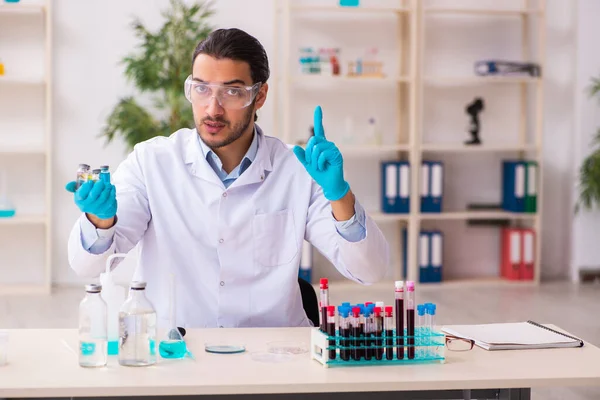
(589, 171)
(159, 67)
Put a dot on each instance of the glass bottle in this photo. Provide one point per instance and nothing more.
(137, 329)
(92, 328)
(82, 175)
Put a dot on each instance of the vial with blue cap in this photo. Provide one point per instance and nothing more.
(421, 332)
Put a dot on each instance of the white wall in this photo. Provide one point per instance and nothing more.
(88, 81)
(586, 226)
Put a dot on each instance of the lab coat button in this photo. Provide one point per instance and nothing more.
(225, 194)
(221, 240)
(222, 283)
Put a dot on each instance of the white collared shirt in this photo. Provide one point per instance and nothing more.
(235, 251)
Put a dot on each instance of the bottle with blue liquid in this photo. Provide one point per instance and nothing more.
(92, 328)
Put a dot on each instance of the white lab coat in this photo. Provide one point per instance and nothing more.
(235, 252)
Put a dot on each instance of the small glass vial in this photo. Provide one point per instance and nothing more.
(137, 329)
(82, 175)
(105, 173)
(92, 328)
(95, 176)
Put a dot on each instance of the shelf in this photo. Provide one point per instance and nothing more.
(387, 217)
(459, 148)
(22, 150)
(477, 80)
(478, 282)
(17, 80)
(19, 8)
(464, 215)
(365, 150)
(316, 78)
(482, 11)
(351, 10)
(23, 220)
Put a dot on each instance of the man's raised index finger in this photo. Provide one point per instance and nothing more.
(318, 122)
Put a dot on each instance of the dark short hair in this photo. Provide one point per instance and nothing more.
(235, 44)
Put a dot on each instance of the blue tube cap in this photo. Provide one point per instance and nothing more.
(421, 309)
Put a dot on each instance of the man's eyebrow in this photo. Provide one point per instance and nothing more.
(232, 82)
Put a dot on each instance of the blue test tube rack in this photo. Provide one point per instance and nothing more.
(429, 349)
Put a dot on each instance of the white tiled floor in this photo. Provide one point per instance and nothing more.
(572, 307)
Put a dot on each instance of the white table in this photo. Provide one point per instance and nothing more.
(41, 366)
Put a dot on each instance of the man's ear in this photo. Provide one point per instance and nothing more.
(261, 96)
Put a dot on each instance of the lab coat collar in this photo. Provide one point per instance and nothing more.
(256, 172)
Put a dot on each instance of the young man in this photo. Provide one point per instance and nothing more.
(226, 208)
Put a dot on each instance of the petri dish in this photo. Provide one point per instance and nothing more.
(220, 348)
(268, 357)
(287, 347)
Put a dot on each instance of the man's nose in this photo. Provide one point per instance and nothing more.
(214, 108)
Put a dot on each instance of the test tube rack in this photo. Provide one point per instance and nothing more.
(428, 349)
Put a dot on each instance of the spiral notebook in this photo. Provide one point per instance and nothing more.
(513, 336)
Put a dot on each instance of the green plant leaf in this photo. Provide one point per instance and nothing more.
(158, 67)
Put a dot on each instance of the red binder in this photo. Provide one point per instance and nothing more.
(511, 253)
(528, 254)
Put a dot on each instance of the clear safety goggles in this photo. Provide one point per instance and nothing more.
(229, 97)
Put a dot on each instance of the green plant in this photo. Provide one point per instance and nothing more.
(160, 66)
(589, 171)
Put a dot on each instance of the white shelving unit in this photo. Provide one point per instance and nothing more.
(39, 152)
(410, 82)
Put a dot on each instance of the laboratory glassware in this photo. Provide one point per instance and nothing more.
(82, 175)
(114, 295)
(7, 208)
(324, 294)
(172, 345)
(137, 328)
(410, 318)
(92, 328)
(399, 298)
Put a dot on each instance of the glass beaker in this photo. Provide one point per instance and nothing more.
(172, 345)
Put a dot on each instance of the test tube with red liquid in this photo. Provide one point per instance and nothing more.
(388, 326)
(357, 333)
(324, 302)
(378, 332)
(410, 318)
(399, 297)
(331, 330)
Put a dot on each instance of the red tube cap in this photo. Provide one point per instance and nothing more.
(324, 283)
(331, 311)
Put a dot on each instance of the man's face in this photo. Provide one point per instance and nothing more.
(219, 126)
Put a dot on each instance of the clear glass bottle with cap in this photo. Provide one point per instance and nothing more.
(92, 328)
(83, 173)
(137, 329)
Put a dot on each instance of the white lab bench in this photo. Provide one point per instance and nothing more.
(41, 366)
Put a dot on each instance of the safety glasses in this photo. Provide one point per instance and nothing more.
(229, 97)
(454, 343)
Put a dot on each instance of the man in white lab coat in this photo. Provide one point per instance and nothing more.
(225, 207)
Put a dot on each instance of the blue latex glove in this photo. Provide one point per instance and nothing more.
(323, 161)
(96, 198)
